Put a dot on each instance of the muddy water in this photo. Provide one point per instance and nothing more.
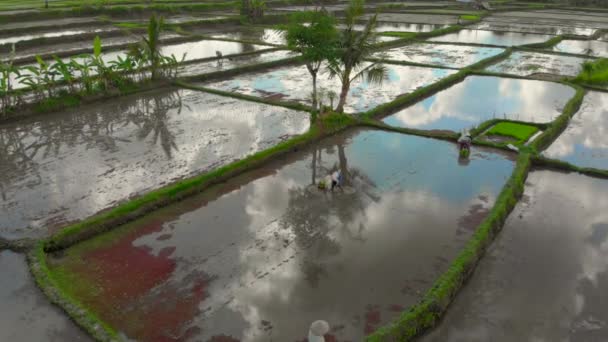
(537, 28)
(67, 166)
(477, 99)
(583, 47)
(492, 37)
(545, 276)
(524, 63)
(295, 84)
(435, 19)
(458, 56)
(45, 23)
(402, 27)
(234, 62)
(270, 36)
(68, 34)
(261, 257)
(208, 48)
(584, 141)
(25, 314)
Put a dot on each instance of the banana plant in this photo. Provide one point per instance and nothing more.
(66, 71)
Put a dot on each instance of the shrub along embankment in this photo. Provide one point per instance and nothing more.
(427, 313)
(559, 125)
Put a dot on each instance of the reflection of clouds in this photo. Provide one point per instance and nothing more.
(586, 130)
(263, 241)
(477, 99)
(525, 63)
(295, 83)
(96, 156)
(583, 47)
(492, 37)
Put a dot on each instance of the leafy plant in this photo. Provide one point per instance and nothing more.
(354, 47)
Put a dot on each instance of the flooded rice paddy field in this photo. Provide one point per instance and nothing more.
(458, 56)
(584, 141)
(536, 28)
(233, 62)
(262, 256)
(480, 98)
(434, 19)
(403, 27)
(523, 63)
(68, 166)
(599, 21)
(583, 47)
(492, 37)
(46, 24)
(26, 314)
(544, 21)
(545, 276)
(67, 33)
(288, 83)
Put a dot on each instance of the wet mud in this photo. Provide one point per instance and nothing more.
(583, 47)
(524, 63)
(480, 98)
(545, 276)
(295, 84)
(583, 143)
(458, 56)
(71, 34)
(25, 314)
(28, 25)
(232, 62)
(492, 37)
(69, 165)
(434, 19)
(262, 256)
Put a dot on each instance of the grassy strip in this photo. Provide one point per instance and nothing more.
(84, 318)
(415, 96)
(553, 52)
(155, 199)
(470, 17)
(594, 73)
(521, 132)
(559, 124)
(396, 62)
(489, 123)
(545, 45)
(491, 60)
(286, 104)
(565, 166)
(435, 302)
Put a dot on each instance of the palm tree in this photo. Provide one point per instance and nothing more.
(353, 48)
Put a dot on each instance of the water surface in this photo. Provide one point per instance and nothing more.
(534, 28)
(545, 276)
(66, 166)
(480, 98)
(492, 37)
(295, 84)
(26, 315)
(525, 63)
(68, 34)
(583, 47)
(458, 56)
(584, 141)
(260, 257)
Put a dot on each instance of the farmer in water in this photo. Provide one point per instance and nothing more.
(336, 180)
(464, 143)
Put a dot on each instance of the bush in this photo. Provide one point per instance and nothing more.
(594, 73)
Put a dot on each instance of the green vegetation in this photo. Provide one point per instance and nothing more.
(594, 73)
(429, 310)
(520, 132)
(354, 47)
(60, 83)
(399, 34)
(470, 17)
(46, 282)
(316, 41)
(559, 124)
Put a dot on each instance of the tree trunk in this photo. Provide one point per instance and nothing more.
(314, 166)
(314, 90)
(46, 3)
(343, 95)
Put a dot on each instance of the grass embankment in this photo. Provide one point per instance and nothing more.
(565, 166)
(544, 45)
(47, 283)
(594, 73)
(427, 313)
(470, 17)
(559, 125)
(328, 124)
(520, 132)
